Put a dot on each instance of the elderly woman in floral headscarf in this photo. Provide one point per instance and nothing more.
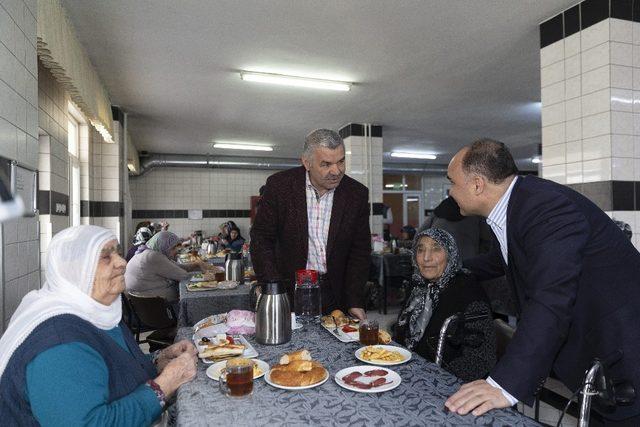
(143, 234)
(153, 271)
(441, 288)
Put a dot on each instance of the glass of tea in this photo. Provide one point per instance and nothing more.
(368, 332)
(236, 379)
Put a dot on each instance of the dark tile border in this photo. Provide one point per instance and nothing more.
(99, 209)
(584, 15)
(117, 114)
(183, 213)
(611, 195)
(53, 203)
(356, 129)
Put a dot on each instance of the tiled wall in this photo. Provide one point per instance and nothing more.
(187, 188)
(18, 141)
(53, 159)
(591, 104)
(435, 189)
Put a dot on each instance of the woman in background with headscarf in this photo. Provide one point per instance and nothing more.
(66, 358)
(441, 288)
(143, 234)
(153, 271)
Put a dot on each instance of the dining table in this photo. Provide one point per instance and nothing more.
(196, 305)
(418, 400)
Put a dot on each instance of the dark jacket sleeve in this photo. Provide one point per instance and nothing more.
(264, 235)
(554, 234)
(478, 345)
(357, 271)
(486, 266)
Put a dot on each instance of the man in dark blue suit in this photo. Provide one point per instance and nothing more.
(575, 276)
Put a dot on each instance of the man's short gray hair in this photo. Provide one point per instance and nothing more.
(321, 138)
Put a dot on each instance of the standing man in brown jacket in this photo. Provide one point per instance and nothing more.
(315, 217)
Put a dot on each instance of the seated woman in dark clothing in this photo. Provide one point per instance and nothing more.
(441, 288)
(235, 240)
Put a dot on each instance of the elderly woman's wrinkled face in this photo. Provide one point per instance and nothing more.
(431, 258)
(109, 281)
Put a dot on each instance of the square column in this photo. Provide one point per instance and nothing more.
(363, 146)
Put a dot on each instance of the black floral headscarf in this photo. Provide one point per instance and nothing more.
(425, 294)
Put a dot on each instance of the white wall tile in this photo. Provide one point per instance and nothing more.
(596, 148)
(622, 169)
(597, 79)
(551, 74)
(621, 30)
(636, 170)
(553, 114)
(554, 154)
(636, 124)
(596, 102)
(573, 87)
(573, 109)
(596, 57)
(636, 101)
(622, 100)
(596, 125)
(633, 58)
(622, 146)
(596, 170)
(574, 173)
(551, 94)
(621, 123)
(573, 130)
(555, 173)
(636, 32)
(553, 134)
(572, 45)
(595, 35)
(623, 77)
(572, 66)
(574, 152)
(552, 53)
(621, 54)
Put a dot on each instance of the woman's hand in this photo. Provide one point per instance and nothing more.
(174, 351)
(178, 371)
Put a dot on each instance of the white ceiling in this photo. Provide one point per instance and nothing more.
(435, 74)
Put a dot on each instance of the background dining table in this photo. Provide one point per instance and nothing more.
(196, 305)
(418, 400)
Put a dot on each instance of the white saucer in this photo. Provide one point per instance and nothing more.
(391, 376)
(213, 371)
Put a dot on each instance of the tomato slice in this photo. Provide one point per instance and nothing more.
(348, 328)
(230, 339)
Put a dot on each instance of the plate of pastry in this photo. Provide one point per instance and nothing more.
(297, 371)
(223, 346)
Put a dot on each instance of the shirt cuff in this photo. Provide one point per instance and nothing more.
(512, 400)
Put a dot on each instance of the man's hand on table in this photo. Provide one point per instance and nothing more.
(173, 351)
(477, 397)
(358, 313)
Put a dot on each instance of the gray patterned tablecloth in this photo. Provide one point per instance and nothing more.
(419, 400)
(195, 306)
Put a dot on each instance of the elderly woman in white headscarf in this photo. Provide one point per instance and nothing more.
(153, 272)
(66, 358)
(441, 288)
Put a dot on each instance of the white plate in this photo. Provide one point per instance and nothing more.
(343, 336)
(403, 351)
(391, 376)
(213, 371)
(267, 378)
(249, 351)
(214, 320)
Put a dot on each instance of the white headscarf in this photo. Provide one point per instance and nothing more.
(72, 261)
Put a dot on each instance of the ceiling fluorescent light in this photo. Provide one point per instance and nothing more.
(239, 146)
(296, 81)
(131, 167)
(536, 159)
(414, 155)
